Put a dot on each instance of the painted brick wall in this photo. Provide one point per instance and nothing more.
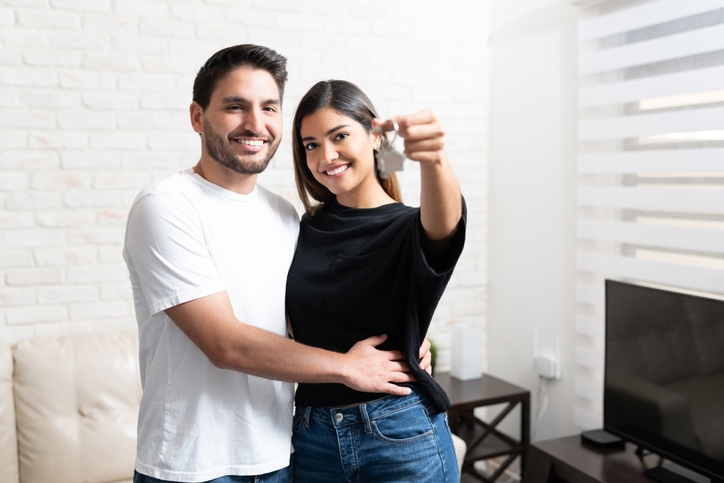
(94, 102)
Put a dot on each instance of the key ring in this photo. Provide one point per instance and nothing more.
(396, 128)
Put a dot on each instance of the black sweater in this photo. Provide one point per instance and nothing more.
(363, 272)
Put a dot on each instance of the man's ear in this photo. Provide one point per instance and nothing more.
(196, 114)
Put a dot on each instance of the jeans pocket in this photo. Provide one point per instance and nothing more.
(404, 426)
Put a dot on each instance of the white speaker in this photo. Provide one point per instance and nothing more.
(466, 359)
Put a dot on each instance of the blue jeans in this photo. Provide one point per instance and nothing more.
(392, 439)
(285, 475)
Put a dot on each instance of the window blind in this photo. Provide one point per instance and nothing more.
(650, 162)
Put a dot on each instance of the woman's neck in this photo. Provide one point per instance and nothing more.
(365, 198)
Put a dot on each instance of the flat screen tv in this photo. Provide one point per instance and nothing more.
(664, 375)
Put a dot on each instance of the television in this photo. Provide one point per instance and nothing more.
(664, 377)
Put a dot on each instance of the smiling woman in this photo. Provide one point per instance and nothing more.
(367, 264)
(349, 111)
(340, 155)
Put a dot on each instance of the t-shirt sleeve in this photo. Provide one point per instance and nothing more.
(439, 266)
(166, 247)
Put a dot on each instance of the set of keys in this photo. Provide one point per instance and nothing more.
(388, 158)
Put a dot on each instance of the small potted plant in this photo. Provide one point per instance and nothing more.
(433, 355)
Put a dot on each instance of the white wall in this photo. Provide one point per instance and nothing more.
(532, 199)
(94, 102)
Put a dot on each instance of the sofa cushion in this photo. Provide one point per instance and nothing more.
(8, 436)
(76, 400)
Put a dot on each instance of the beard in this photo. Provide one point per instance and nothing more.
(219, 148)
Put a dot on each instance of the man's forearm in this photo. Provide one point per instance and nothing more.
(229, 344)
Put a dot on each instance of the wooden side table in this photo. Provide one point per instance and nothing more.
(568, 459)
(483, 439)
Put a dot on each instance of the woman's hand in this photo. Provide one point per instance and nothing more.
(440, 198)
(423, 134)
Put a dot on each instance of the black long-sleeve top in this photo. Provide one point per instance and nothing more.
(363, 272)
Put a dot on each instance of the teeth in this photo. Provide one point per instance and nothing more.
(251, 142)
(336, 170)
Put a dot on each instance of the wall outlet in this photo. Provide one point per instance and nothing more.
(547, 365)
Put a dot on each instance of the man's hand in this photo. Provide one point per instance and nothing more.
(371, 370)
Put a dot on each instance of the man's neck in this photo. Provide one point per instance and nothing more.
(229, 179)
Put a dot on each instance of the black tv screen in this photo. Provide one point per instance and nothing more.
(664, 374)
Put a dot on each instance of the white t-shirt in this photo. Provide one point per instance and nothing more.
(188, 238)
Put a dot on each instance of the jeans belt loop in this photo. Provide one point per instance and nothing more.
(365, 418)
(303, 414)
(306, 415)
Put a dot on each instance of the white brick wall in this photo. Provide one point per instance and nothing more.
(94, 105)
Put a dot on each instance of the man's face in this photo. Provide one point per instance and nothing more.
(242, 126)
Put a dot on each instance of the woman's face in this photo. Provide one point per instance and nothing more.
(340, 154)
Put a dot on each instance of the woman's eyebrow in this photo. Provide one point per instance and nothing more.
(311, 138)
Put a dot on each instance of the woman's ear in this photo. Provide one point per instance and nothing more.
(376, 140)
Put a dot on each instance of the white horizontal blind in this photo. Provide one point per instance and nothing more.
(650, 162)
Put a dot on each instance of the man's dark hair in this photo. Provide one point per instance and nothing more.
(231, 58)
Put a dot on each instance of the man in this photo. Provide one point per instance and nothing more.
(208, 252)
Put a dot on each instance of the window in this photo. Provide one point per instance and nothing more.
(650, 161)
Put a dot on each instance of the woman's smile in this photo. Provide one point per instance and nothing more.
(337, 171)
(340, 155)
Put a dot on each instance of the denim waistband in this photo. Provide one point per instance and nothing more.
(364, 412)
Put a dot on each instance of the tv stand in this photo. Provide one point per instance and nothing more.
(668, 472)
(674, 474)
(569, 460)
(641, 452)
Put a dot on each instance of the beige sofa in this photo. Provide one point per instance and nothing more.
(68, 409)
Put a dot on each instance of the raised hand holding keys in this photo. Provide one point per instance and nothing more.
(388, 158)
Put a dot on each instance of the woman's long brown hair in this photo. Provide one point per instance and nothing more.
(349, 100)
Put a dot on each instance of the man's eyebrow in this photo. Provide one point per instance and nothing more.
(310, 138)
(243, 100)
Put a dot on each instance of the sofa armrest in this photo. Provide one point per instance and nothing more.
(8, 435)
(460, 449)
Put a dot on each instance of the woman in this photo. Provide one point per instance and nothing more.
(367, 264)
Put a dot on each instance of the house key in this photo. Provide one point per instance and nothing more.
(388, 158)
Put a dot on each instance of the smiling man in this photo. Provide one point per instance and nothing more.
(240, 133)
(208, 251)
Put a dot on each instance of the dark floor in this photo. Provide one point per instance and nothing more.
(468, 478)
